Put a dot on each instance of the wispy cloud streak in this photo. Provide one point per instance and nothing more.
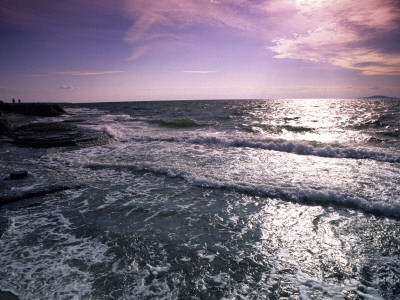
(80, 73)
(199, 72)
(69, 87)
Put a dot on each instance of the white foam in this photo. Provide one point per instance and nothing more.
(185, 258)
(157, 269)
(45, 264)
(297, 147)
(312, 288)
(234, 219)
(115, 118)
(210, 257)
(222, 278)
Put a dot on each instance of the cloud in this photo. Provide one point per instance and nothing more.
(359, 35)
(69, 87)
(375, 88)
(200, 72)
(344, 33)
(38, 75)
(80, 73)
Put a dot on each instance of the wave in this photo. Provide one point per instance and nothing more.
(177, 123)
(374, 123)
(298, 147)
(295, 147)
(324, 197)
(274, 128)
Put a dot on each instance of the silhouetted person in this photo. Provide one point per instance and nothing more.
(13, 101)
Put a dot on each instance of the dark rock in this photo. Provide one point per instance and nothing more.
(5, 127)
(45, 135)
(19, 174)
(33, 109)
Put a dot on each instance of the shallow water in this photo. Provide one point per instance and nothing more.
(275, 199)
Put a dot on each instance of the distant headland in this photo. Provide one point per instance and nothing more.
(376, 96)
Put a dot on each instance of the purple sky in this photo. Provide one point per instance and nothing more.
(125, 50)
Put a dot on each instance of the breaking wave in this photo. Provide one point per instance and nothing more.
(295, 147)
(292, 194)
(299, 147)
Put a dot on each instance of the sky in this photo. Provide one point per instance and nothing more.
(127, 50)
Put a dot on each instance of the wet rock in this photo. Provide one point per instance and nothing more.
(45, 135)
(5, 127)
(19, 174)
(33, 109)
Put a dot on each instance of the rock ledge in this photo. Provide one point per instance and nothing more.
(57, 134)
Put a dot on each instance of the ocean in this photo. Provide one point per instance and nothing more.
(227, 199)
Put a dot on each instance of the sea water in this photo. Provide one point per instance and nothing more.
(238, 199)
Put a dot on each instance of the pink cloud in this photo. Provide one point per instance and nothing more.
(340, 34)
(333, 31)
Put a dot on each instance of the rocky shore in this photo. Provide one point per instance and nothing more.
(32, 109)
(40, 135)
(57, 134)
(16, 127)
(46, 134)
